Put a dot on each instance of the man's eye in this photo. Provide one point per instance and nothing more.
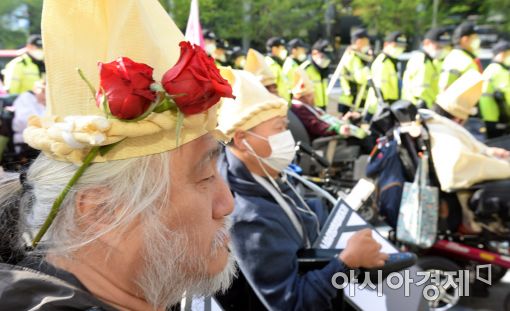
(208, 179)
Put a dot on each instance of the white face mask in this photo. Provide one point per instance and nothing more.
(396, 51)
(283, 54)
(210, 47)
(283, 150)
(475, 45)
(322, 61)
(37, 54)
(301, 57)
(365, 49)
(434, 53)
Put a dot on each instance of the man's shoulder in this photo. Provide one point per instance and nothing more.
(22, 59)
(417, 57)
(22, 288)
(458, 59)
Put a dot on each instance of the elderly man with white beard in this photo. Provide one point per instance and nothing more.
(124, 208)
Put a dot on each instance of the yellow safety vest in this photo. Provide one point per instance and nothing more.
(385, 78)
(421, 78)
(456, 63)
(289, 66)
(281, 81)
(320, 84)
(20, 75)
(354, 73)
(495, 100)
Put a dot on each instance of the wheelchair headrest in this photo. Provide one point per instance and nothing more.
(404, 111)
(400, 112)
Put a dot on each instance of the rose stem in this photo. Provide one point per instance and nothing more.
(58, 201)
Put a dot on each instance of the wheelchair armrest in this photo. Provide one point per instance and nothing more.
(325, 140)
(315, 258)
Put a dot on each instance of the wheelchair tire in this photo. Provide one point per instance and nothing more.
(449, 297)
(498, 273)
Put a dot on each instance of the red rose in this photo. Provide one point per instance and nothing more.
(126, 85)
(196, 77)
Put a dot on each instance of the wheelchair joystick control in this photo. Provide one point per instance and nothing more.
(395, 262)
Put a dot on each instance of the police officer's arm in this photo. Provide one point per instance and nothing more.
(360, 72)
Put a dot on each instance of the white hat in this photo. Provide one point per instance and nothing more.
(253, 104)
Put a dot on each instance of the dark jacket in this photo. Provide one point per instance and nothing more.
(40, 286)
(265, 243)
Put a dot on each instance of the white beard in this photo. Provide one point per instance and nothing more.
(172, 268)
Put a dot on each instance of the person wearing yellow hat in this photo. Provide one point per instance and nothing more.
(460, 160)
(124, 208)
(271, 220)
(256, 64)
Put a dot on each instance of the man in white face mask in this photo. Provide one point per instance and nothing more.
(271, 221)
(463, 57)
(298, 54)
(354, 72)
(384, 71)
(21, 73)
(276, 54)
(421, 77)
(317, 69)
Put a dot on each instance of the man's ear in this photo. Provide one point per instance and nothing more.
(90, 206)
(238, 139)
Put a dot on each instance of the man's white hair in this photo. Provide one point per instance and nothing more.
(128, 189)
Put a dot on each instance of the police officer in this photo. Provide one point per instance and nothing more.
(495, 101)
(21, 73)
(421, 77)
(462, 57)
(354, 71)
(384, 72)
(298, 54)
(277, 52)
(317, 69)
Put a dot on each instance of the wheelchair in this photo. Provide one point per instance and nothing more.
(454, 249)
(344, 158)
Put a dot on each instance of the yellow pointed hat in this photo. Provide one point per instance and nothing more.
(460, 98)
(302, 85)
(253, 103)
(79, 34)
(256, 64)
